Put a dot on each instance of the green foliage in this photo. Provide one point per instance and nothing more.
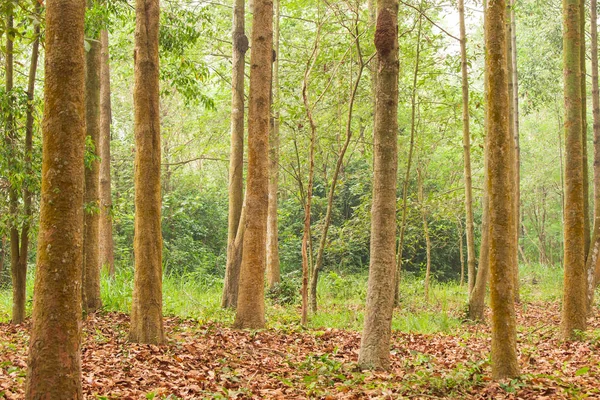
(286, 292)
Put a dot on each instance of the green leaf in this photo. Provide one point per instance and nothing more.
(582, 371)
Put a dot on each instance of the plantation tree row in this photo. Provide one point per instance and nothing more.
(375, 136)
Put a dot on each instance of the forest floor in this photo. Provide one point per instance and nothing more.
(213, 361)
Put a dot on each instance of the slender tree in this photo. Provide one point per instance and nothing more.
(251, 301)
(236, 159)
(500, 182)
(470, 230)
(146, 307)
(575, 285)
(107, 256)
(91, 197)
(54, 365)
(375, 343)
(592, 259)
(273, 268)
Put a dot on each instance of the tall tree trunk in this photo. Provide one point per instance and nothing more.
(306, 234)
(54, 364)
(13, 191)
(467, 151)
(375, 342)
(107, 247)
(273, 269)
(592, 260)
(515, 104)
(251, 300)
(511, 114)
(584, 126)
(91, 255)
(501, 196)
(146, 306)
(413, 128)
(314, 278)
(575, 285)
(236, 158)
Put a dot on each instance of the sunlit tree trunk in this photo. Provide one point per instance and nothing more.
(467, 151)
(575, 285)
(251, 301)
(273, 269)
(375, 342)
(146, 307)
(107, 255)
(91, 197)
(423, 207)
(236, 158)
(501, 195)
(54, 364)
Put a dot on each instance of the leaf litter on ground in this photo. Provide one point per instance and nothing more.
(213, 361)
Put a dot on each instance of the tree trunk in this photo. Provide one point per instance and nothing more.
(514, 181)
(592, 259)
(467, 152)
(375, 343)
(575, 285)
(251, 300)
(501, 196)
(146, 306)
(91, 198)
(273, 268)
(421, 199)
(54, 365)
(515, 104)
(314, 278)
(413, 128)
(236, 160)
(107, 247)
(586, 182)
(461, 253)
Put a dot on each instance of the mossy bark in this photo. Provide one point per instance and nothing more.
(146, 307)
(236, 157)
(251, 302)
(575, 282)
(107, 255)
(91, 198)
(54, 364)
(375, 342)
(501, 187)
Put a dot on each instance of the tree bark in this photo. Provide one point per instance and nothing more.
(515, 104)
(236, 159)
(91, 255)
(470, 230)
(146, 307)
(273, 268)
(54, 364)
(575, 285)
(375, 342)
(501, 195)
(251, 301)
(107, 255)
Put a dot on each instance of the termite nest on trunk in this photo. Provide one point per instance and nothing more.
(241, 43)
(385, 33)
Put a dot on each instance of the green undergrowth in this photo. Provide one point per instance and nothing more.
(341, 299)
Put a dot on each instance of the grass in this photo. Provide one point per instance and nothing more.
(341, 300)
